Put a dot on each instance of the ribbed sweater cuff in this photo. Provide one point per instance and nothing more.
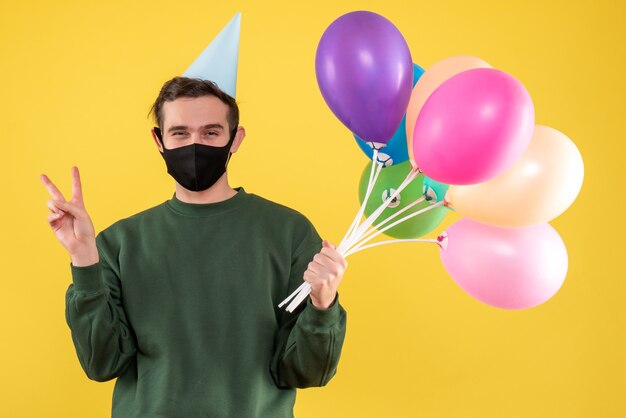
(86, 278)
(322, 317)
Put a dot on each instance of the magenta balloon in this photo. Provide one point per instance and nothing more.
(507, 268)
(473, 127)
(365, 73)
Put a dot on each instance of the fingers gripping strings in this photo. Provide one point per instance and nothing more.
(358, 235)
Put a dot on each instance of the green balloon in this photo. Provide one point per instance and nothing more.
(388, 181)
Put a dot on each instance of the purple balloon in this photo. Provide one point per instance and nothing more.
(365, 73)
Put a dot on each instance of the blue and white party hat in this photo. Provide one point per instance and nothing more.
(218, 62)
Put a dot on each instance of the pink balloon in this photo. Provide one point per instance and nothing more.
(473, 127)
(506, 268)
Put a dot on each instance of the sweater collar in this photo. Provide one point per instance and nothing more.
(206, 209)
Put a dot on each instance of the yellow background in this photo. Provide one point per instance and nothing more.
(77, 80)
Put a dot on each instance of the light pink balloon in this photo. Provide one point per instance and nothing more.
(473, 127)
(507, 268)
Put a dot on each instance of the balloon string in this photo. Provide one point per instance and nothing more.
(405, 218)
(355, 220)
(354, 233)
(304, 292)
(358, 233)
(368, 194)
(393, 241)
(395, 215)
(305, 289)
(374, 173)
(358, 246)
(370, 220)
(298, 295)
(295, 292)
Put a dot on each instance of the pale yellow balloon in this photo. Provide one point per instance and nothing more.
(428, 82)
(540, 186)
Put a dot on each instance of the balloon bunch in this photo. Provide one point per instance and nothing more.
(462, 136)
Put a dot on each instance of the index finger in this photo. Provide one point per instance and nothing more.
(52, 189)
(334, 255)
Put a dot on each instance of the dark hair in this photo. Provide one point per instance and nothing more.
(194, 87)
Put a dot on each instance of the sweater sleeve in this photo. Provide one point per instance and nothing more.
(100, 331)
(309, 341)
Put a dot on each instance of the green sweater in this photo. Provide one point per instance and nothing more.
(182, 309)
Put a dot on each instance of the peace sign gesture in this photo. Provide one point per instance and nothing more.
(71, 223)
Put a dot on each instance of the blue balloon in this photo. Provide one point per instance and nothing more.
(417, 73)
(394, 151)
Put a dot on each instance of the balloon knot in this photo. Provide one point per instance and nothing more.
(442, 240)
(377, 145)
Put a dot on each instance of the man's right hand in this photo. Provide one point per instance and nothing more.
(71, 223)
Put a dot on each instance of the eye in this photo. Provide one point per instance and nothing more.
(178, 133)
(211, 133)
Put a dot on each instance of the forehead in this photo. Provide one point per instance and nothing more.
(194, 111)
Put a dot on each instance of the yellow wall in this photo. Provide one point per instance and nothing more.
(77, 79)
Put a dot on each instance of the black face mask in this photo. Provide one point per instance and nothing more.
(196, 167)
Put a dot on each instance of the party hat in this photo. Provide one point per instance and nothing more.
(218, 61)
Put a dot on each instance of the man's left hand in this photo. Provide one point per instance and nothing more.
(324, 274)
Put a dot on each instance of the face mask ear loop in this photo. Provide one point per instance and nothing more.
(230, 144)
(159, 135)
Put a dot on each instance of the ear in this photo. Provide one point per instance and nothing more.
(239, 136)
(156, 140)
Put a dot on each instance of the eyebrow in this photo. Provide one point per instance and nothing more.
(185, 128)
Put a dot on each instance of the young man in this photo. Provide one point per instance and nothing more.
(179, 302)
